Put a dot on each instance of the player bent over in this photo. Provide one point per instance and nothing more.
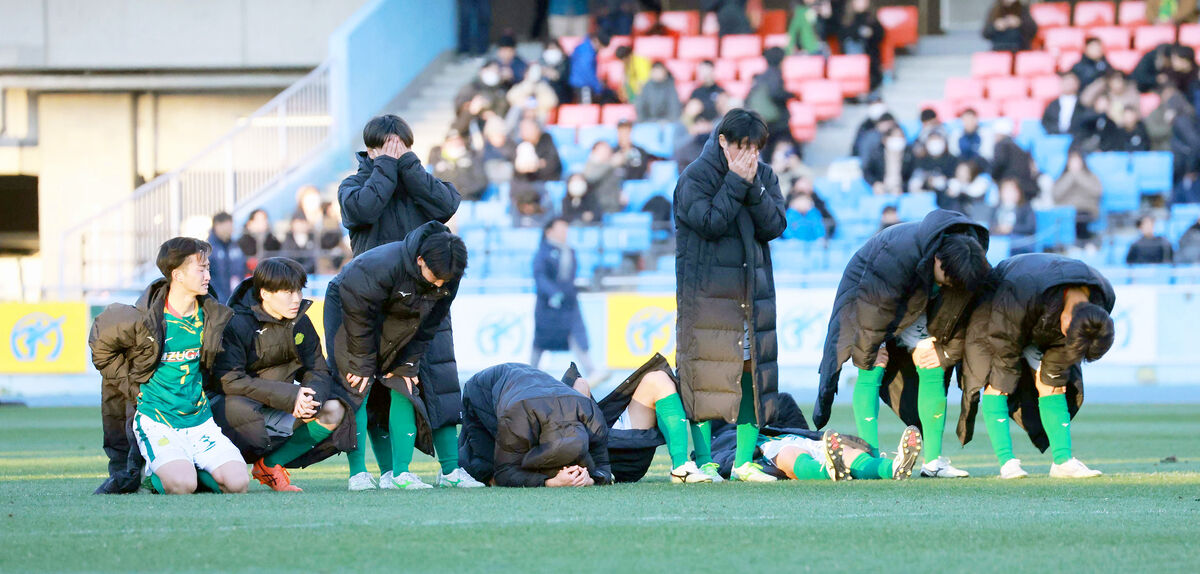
(275, 397)
(160, 349)
(1025, 346)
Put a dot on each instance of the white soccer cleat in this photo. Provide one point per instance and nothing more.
(362, 481)
(941, 468)
(1012, 469)
(1073, 468)
(713, 470)
(750, 472)
(458, 478)
(403, 481)
(688, 473)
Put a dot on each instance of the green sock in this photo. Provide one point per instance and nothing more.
(994, 409)
(747, 430)
(702, 442)
(203, 478)
(157, 484)
(358, 457)
(807, 468)
(381, 445)
(303, 439)
(866, 405)
(867, 467)
(402, 426)
(672, 421)
(445, 446)
(931, 408)
(1056, 419)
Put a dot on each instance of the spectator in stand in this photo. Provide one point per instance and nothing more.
(1121, 94)
(476, 101)
(658, 100)
(615, 17)
(973, 142)
(707, 91)
(1151, 67)
(637, 73)
(227, 264)
(536, 157)
(308, 205)
(1185, 144)
(806, 27)
(1129, 134)
(579, 204)
(1014, 218)
(498, 151)
(876, 109)
(1150, 249)
(804, 222)
(455, 162)
(556, 69)
(889, 217)
(1065, 114)
(1160, 121)
(334, 242)
(804, 186)
(1189, 246)
(890, 164)
(300, 245)
(1092, 65)
(731, 15)
(1182, 73)
(632, 158)
(512, 67)
(933, 166)
(568, 18)
(582, 78)
(1009, 27)
(861, 33)
(1188, 188)
(257, 241)
(769, 98)
(1012, 162)
(871, 139)
(789, 166)
(604, 179)
(1173, 12)
(930, 124)
(1078, 187)
(698, 134)
(966, 193)
(1094, 125)
(474, 26)
(533, 92)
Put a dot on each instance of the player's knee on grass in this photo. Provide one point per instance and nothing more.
(232, 477)
(581, 385)
(653, 387)
(332, 413)
(177, 477)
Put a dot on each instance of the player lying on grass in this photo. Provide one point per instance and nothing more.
(1027, 338)
(391, 301)
(272, 393)
(155, 355)
(909, 288)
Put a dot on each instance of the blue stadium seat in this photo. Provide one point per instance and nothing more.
(589, 135)
(640, 191)
(666, 264)
(663, 172)
(1183, 216)
(1121, 193)
(476, 238)
(524, 238)
(628, 219)
(584, 237)
(555, 192)
(588, 260)
(626, 239)
(1154, 171)
(911, 128)
(511, 263)
(492, 212)
(1050, 153)
(1104, 163)
(1151, 274)
(998, 249)
(915, 206)
(652, 136)
(573, 158)
(562, 135)
(1056, 227)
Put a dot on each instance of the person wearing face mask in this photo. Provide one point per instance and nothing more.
(933, 166)
(579, 205)
(459, 165)
(555, 70)
(1009, 26)
(890, 165)
(532, 92)
(658, 101)
(930, 124)
(487, 84)
(876, 110)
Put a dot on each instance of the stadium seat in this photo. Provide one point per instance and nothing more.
(915, 206)
(589, 135)
(1031, 64)
(639, 191)
(681, 70)
(750, 67)
(1090, 14)
(899, 24)
(738, 46)
(575, 115)
(1002, 88)
(1148, 103)
(1183, 216)
(628, 219)
(655, 47)
(1111, 37)
(685, 89)
(825, 96)
(1059, 40)
(803, 68)
(1189, 35)
(775, 41)
(569, 43)
(643, 22)
(1050, 153)
(1022, 109)
(737, 90)
(1055, 227)
(1105, 164)
(555, 192)
(709, 25)
(999, 246)
(684, 22)
(584, 238)
(517, 238)
(609, 52)
(1124, 60)
(960, 89)
(1120, 193)
(1067, 60)
(773, 22)
(562, 135)
(985, 109)
(988, 64)
(1146, 38)
(1045, 88)
(612, 73)
(612, 114)
(656, 138)
(853, 72)
(475, 237)
(725, 71)
(663, 172)
(1153, 170)
(802, 121)
(1051, 14)
(1131, 13)
(697, 48)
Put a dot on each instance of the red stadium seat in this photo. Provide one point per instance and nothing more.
(1007, 88)
(609, 52)
(1111, 37)
(737, 90)
(853, 72)
(710, 26)
(681, 70)
(738, 46)
(802, 121)
(612, 73)
(1189, 35)
(654, 47)
(945, 111)
(643, 22)
(725, 71)
(1147, 38)
(1023, 109)
(985, 109)
(988, 64)
(1059, 40)
(1067, 60)
(685, 22)
(750, 67)
(684, 89)
(803, 68)
(775, 41)
(1051, 14)
(773, 22)
(960, 89)
(611, 114)
(1045, 88)
(575, 115)
(899, 24)
(1035, 64)
(1089, 14)
(1149, 103)
(1131, 13)
(698, 48)
(825, 96)
(1124, 60)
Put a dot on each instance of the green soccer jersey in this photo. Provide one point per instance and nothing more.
(174, 395)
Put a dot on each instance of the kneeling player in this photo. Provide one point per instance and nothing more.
(268, 347)
(1025, 344)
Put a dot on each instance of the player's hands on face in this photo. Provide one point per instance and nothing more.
(358, 383)
(925, 355)
(743, 161)
(306, 405)
(393, 147)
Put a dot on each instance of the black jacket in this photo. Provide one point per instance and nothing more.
(1018, 311)
(1117, 138)
(1089, 70)
(875, 165)
(731, 15)
(725, 282)
(1149, 251)
(1011, 39)
(388, 197)
(887, 285)
(1050, 117)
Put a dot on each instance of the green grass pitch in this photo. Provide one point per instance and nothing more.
(1143, 515)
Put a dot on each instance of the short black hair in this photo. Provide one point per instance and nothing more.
(445, 255)
(173, 252)
(964, 261)
(886, 117)
(709, 63)
(1091, 332)
(1144, 218)
(1092, 40)
(380, 127)
(889, 209)
(221, 217)
(278, 274)
(623, 52)
(507, 41)
(741, 125)
(604, 38)
(928, 114)
(774, 56)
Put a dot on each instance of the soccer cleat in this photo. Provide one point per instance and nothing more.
(941, 468)
(907, 453)
(458, 478)
(1012, 469)
(405, 481)
(713, 470)
(750, 472)
(834, 464)
(362, 481)
(689, 473)
(276, 477)
(1073, 468)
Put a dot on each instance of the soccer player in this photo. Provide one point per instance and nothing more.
(727, 208)
(274, 397)
(391, 301)
(159, 352)
(908, 287)
(1025, 344)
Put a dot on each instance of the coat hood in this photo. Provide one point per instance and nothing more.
(559, 446)
(941, 221)
(1043, 271)
(712, 154)
(243, 302)
(155, 294)
(412, 246)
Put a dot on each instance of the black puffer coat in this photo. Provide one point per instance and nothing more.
(126, 343)
(521, 426)
(886, 287)
(725, 282)
(390, 315)
(782, 416)
(263, 360)
(1024, 309)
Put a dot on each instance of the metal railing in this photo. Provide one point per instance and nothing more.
(115, 248)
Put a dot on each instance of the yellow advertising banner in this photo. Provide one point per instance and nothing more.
(43, 338)
(638, 327)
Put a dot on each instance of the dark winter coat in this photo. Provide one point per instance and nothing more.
(1011, 39)
(265, 361)
(781, 415)
(887, 286)
(521, 426)
(731, 15)
(126, 343)
(556, 315)
(388, 197)
(1053, 114)
(1149, 251)
(875, 165)
(227, 265)
(1010, 161)
(1018, 311)
(1089, 70)
(725, 282)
